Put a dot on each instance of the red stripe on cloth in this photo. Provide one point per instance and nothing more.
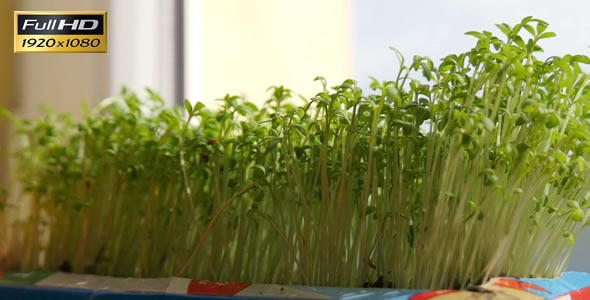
(214, 288)
(519, 285)
(432, 294)
(580, 294)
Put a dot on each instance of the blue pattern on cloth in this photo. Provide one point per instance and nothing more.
(566, 283)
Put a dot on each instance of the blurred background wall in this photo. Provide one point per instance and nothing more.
(145, 41)
(6, 80)
(58, 80)
(199, 50)
(243, 47)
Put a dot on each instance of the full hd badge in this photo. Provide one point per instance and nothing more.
(60, 31)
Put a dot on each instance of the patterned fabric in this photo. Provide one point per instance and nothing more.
(32, 285)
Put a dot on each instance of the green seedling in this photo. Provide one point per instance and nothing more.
(443, 177)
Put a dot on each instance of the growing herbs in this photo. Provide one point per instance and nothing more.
(479, 169)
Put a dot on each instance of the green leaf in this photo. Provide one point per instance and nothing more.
(198, 106)
(505, 28)
(476, 34)
(375, 84)
(530, 29)
(322, 80)
(459, 78)
(581, 59)
(560, 156)
(552, 120)
(299, 128)
(251, 105)
(522, 119)
(466, 138)
(405, 125)
(522, 147)
(571, 239)
(490, 180)
(243, 109)
(154, 96)
(565, 67)
(519, 41)
(370, 210)
(546, 35)
(188, 106)
(446, 66)
(488, 124)
(426, 70)
(515, 30)
(541, 26)
(572, 204)
(258, 172)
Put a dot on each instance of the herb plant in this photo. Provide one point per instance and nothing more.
(479, 169)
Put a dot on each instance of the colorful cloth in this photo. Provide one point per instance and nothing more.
(36, 285)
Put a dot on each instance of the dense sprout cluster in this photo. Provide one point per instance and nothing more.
(480, 168)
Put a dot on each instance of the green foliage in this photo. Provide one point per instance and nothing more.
(481, 169)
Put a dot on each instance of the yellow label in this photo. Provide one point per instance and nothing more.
(60, 31)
